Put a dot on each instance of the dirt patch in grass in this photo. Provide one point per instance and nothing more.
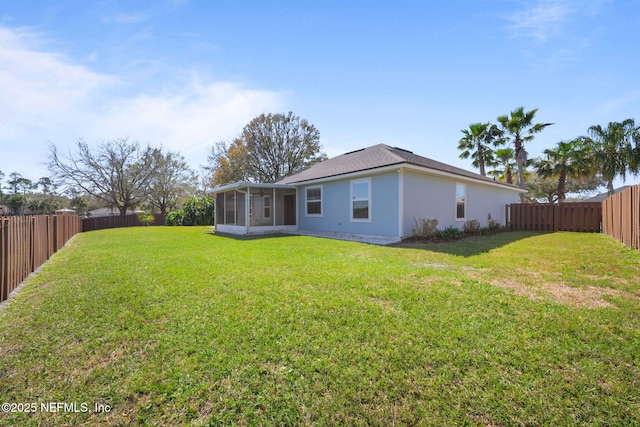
(589, 297)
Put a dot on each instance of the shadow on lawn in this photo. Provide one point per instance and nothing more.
(242, 238)
(471, 246)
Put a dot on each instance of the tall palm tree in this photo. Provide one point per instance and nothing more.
(477, 142)
(505, 158)
(615, 153)
(520, 127)
(568, 159)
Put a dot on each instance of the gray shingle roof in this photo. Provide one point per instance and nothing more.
(602, 196)
(374, 157)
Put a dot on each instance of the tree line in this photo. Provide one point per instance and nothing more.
(18, 192)
(118, 174)
(582, 164)
(123, 175)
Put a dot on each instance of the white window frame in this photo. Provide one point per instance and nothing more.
(464, 201)
(266, 208)
(307, 201)
(367, 199)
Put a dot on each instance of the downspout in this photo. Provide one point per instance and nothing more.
(401, 203)
(273, 208)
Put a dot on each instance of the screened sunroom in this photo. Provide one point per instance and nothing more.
(246, 208)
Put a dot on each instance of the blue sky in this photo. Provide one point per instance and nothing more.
(186, 74)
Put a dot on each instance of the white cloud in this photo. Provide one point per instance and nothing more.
(47, 97)
(189, 120)
(124, 18)
(39, 88)
(542, 20)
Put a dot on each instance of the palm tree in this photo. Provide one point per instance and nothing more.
(568, 160)
(505, 158)
(521, 128)
(615, 153)
(476, 143)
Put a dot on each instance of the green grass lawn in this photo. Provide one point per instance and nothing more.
(174, 326)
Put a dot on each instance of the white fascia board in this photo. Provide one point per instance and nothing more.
(237, 185)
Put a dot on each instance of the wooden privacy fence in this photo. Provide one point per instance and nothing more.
(99, 223)
(26, 242)
(583, 217)
(621, 216)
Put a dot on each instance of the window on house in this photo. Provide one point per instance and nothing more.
(314, 201)
(267, 206)
(360, 200)
(461, 198)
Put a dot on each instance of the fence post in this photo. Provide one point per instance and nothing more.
(507, 223)
(4, 239)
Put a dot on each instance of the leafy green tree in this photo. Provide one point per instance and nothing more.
(569, 159)
(541, 188)
(478, 142)
(47, 185)
(35, 206)
(19, 184)
(13, 183)
(16, 203)
(270, 147)
(117, 172)
(616, 150)
(79, 204)
(228, 164)
(51, 204)
(520, 127)
(545, 189)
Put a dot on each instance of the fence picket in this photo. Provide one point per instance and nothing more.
(26, 242)
(584, 217)
(99, 223)
(621, 213)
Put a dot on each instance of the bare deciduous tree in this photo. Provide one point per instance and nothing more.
(116, 172)
(172, 180)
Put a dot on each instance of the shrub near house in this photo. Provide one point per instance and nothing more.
(427, 229)
(196, 211)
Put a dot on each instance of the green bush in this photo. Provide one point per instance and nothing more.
(146, 219)
(451, 233)
(175, 217)
(425, 228)
(492, 227)
(196, 211)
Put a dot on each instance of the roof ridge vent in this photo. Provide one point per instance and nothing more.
(355, 151)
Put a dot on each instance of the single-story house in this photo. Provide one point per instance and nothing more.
(602, 196)
(65, 211)
(379, 191)
(100, 212)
